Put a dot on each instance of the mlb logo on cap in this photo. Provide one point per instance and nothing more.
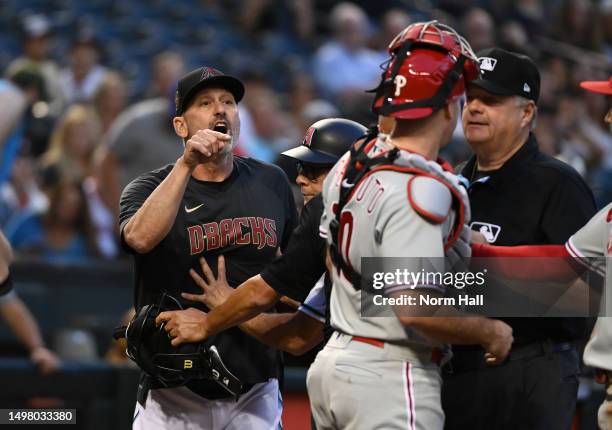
(487, 63)
(508, 74)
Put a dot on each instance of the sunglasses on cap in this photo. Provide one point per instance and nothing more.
(311, 171)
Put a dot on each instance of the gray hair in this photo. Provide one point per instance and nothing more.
(522, 102)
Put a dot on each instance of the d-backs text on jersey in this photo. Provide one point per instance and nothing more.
(251, 230)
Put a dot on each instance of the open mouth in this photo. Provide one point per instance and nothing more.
(221, 127)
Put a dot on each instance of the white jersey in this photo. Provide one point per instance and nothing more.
(592, 244)
(384, 218)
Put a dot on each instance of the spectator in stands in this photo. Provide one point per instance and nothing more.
(391, 23)
(529, 14)
(479, 29)
(577, 25)
(19, 191)
(22, 194)
(102, 188)
(345, 66)
(73, 146)
(292, 18)
(36, 123)
(81, 81)
(76, 136)
(13, 103)
(142, 138)
(513, 37)
(301, 92)
(575, 144)
(35, 37)
(19, 318)
(62, 235)
(166, 69)
(274, 128)
(109, 100)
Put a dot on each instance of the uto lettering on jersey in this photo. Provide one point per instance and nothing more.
(251, 230)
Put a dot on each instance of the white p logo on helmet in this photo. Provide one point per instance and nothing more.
(400, 82)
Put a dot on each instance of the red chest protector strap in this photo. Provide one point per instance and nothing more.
(360, 166)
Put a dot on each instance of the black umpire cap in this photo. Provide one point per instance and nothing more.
(192, 82)
(326, 141)
(508, 73)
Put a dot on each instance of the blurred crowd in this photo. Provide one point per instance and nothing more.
(87, 100)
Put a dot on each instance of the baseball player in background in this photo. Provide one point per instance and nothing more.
(595, 240)
(390, 199)
(208, 203)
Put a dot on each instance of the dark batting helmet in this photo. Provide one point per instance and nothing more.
(326, 141)
(429, 67)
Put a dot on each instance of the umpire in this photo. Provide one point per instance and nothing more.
(519, 196)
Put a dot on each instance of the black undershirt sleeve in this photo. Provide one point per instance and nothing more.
(299, 268)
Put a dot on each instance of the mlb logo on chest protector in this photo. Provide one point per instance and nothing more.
(487, 63)
(489, 231)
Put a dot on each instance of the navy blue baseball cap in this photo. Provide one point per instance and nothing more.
(508, 73)
(326, 141)
(202, 77)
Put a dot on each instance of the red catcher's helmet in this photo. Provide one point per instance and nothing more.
(429, 66)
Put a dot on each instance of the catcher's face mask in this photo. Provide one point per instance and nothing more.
(429, 66)
(149, 346)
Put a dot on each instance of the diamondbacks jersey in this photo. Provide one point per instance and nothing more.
(246, 217)
(592, 245)
(379, 220)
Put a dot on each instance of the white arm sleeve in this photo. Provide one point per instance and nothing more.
(590, 242)
(315, 304)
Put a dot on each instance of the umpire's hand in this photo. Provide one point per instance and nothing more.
(498, 343)
(214, 290)
(187, 326)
